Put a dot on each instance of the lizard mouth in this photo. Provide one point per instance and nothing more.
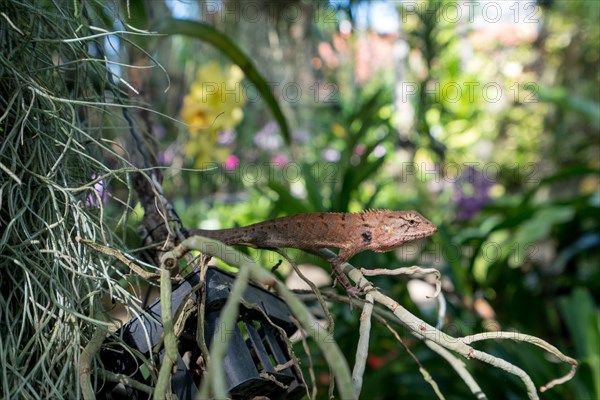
(422, 235)
(430, 230)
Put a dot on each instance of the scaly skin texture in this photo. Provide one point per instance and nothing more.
(377, 230)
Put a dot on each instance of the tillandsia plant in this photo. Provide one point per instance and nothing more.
(56, 94)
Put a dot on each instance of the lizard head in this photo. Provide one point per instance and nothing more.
(398, 227)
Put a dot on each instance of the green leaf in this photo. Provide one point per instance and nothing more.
(453, 256)
(480, 232)
(569, 101)
(312, 188)
(352, 179)
(585, 242)
(292, 204)
(538, 227)
(210, 35)
(563, 174)
(580, 314)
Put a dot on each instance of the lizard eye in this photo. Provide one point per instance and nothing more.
(412, 221)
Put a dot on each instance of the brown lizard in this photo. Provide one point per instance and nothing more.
(377, 230)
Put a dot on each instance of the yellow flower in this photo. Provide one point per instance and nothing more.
(338, 130)
(213, 103)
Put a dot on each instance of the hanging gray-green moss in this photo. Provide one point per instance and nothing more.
(53, 103)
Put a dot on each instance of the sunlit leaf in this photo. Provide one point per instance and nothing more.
(210, 35)
(580, 314)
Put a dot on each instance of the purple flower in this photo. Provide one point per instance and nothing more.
(300, 136)
(268, 137)
(330, 154)
(472, 193)
(226, 137)
(100, 193)
(167, 156)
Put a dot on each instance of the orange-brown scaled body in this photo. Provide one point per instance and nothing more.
(351, 233)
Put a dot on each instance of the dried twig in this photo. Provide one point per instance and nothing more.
(409, 271)
(121, 256)
(426, 375)
(85, 363)
(163, 384)
(311, 370)
(127, 381)
(437, 340)
(330, 349)
(314, 288)
(227, 319)
(459, 367)
(362, 349)
(200, 336)
(535, 341)
(425, 331)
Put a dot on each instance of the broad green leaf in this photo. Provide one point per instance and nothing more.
(495, 248)
(312, 188)
(585, 242)
(292, 204)
(210, 35)
(569, 101)
(563, 174)
(581, 316)
(480, 232)
(538, 227)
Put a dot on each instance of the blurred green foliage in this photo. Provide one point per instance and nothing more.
(512, 182)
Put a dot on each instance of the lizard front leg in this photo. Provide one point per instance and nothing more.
(336, 265)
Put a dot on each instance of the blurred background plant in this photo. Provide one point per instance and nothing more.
(213, 106)
(484, 117)
(488, 125)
